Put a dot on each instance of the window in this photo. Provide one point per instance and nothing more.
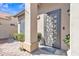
(12, 24)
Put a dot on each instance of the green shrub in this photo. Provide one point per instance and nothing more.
(39, 36)
(67, 39)
(19, 37)
(14, 35)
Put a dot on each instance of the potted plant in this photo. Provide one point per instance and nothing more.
(67, 42)
(41, 39)
(39, 36)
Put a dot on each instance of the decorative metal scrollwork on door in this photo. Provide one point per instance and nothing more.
(51, 28)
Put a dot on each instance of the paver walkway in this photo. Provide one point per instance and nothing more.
(10, 47)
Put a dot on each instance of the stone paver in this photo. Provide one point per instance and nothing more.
(10, 47)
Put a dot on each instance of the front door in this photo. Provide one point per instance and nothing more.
(52, 28)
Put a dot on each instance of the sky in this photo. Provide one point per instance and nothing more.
(11, 8)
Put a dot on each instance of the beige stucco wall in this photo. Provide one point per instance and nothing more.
(31, 23)
(74, 29)
(40, 24)
(5, 29)
(30, 43)
(65, 18)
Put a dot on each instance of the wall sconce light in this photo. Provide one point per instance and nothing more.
(38, 17)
